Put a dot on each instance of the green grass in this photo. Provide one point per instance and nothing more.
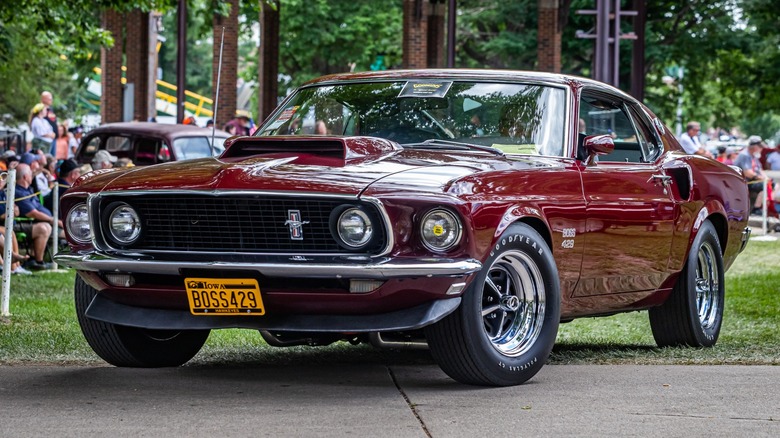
(43, 329)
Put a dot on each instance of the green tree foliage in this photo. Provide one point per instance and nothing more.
(321, 37)
(45, 43)
(729, 48)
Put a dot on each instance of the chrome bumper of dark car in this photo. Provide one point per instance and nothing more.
(745, 237)
(103, 309)
(383, 268)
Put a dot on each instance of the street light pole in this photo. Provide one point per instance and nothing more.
(670, 80)
(678, 124)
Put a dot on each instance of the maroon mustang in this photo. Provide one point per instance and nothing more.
(474, 209)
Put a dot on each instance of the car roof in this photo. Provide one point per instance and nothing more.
(155, 129)
(469, 74)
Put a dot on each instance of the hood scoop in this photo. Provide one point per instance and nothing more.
(331, 150)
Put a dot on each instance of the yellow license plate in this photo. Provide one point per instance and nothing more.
(224, 296)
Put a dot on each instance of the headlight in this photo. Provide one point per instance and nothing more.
(440, 230)
(124, 224)
(354, 228)
(77, 223)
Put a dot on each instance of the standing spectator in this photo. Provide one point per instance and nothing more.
(43, 134)
(103, 160)
(30, 207)
(241, 123)
(689, 140)
(74, 139)
(62, 143)
(46, 100)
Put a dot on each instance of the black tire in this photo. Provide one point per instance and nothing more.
(124, 346)
(504, 338)
(693, 313)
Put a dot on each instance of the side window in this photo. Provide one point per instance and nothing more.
(146, 151)
(191, 147)
(92, 146)
(118, 144)
(603, 116)
(648, 142)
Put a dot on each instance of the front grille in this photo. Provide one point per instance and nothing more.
(238, 223)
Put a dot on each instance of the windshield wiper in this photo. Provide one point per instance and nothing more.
(457, 145)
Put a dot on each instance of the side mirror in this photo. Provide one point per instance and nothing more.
(597, 145)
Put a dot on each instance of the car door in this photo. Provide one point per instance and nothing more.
(630, 209)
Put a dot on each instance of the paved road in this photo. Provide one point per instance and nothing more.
(397, 400)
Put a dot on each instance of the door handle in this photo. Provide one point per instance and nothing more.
(665, 180)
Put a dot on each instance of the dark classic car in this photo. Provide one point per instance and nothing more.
(472, 210)
(146, 143)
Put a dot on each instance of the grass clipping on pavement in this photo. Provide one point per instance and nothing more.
(43, 329)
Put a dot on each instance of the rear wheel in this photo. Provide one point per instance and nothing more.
(505, 328)
(132, 346)
(693, 313)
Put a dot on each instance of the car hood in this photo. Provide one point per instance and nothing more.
(366, 162)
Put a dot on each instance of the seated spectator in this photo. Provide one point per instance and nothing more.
(16, 267)
(773, 159)
(16, 258)
(30, 207)
(748, 161)
(103, 160)
(689, 140)
(124, 163)
(320, 128)
(69, 172)
(4, 159)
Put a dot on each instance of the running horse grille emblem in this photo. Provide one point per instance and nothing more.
(296, 224)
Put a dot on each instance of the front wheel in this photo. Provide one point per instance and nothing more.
(505, 328)
(693, 313)
(125, 346)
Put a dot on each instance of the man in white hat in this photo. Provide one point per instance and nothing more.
(103, 160)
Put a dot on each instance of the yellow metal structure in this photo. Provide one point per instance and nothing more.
(198, 107)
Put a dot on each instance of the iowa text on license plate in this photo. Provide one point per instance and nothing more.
(224, 296)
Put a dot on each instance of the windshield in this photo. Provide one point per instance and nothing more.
(187, 148)
(516, 118)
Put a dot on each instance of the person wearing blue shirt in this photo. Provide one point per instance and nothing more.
(30, 207)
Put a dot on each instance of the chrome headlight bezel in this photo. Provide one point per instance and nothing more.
(75, 222)
(354, 213)
(118, 215)
(436, 223)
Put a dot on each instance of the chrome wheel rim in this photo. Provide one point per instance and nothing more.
(513, 303)
(707, 286)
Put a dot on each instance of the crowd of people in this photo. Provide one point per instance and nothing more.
(43, 163)
(754, 159)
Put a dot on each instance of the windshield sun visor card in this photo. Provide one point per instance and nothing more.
(425, 89)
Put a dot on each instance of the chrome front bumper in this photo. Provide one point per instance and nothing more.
(383, 268)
